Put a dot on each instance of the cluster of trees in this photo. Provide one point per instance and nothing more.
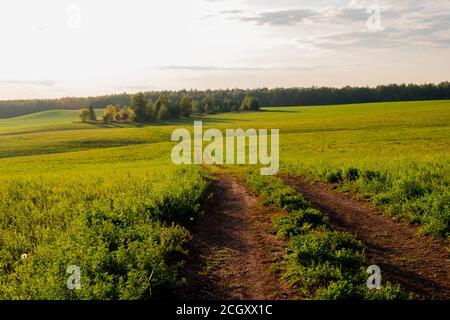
(231, 99)
(88, 114)
(144, 109)
(110, 113)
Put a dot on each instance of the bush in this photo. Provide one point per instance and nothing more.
(275, 192)
(370, 175)
(351, 174)
(310, 278)
(334, 176)
(408, 189)
(341, 290)
(387, 292)
(346, 290)
(299, 222)
(324, 246)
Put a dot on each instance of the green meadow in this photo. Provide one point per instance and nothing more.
(97, 195)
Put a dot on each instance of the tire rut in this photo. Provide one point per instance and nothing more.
(421, 264)
(232, 249)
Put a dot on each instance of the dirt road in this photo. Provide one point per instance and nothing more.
(232, 249)
(420, 263)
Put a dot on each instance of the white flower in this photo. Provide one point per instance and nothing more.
(23, 256)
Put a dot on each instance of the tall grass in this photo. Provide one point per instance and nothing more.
(417, 192)
(124, 230)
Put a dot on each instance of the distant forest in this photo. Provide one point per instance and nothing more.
(216, 99)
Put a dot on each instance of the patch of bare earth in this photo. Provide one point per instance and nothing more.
(232, 249)
(421, 264)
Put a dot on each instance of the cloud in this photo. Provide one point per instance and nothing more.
(403, 24)
(232, 11)
(240, 69)
(352, 40)
(135, 87)
(421, 32)
(277, 18)
(46, 83)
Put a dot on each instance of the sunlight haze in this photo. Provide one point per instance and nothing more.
(129, 46)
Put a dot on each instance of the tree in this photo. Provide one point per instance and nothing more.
(186, 105)
(84, 114)
(124, 114)
(131, 114)
(206, 104)
(227, 104)
(268, 97)
(138, 105)
(196, 108)
(163, 113)
(91, 114)
(254, 104)
(150, 112)
(110, 113)
(164, 109)
(244, 104)
(250, 103)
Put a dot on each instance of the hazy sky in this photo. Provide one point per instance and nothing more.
(55, 48)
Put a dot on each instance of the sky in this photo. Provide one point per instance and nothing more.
(60, 48)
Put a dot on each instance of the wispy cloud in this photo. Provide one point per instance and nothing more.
(241, 69)
(276, 18)
(47, 83)
(412, 23)
(135, 87)
(423, 33)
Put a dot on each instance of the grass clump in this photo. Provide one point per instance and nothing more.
(299, 222)
(275, 192)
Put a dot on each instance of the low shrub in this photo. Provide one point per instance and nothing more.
(334, 176)
(275, 192)
(325, 246)
(299, 222)
(341, 290)
(351, 174)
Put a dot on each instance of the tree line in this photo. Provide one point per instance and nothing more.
(145, 109)
(232, 98)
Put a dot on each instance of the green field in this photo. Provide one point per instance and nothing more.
(97, 195)
(41, 118)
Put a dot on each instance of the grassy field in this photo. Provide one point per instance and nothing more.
(95, 196)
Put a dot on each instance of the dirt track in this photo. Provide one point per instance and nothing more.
(232, 249)
(420, 263)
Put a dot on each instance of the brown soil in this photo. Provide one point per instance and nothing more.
(232, 249)
(420, 264)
